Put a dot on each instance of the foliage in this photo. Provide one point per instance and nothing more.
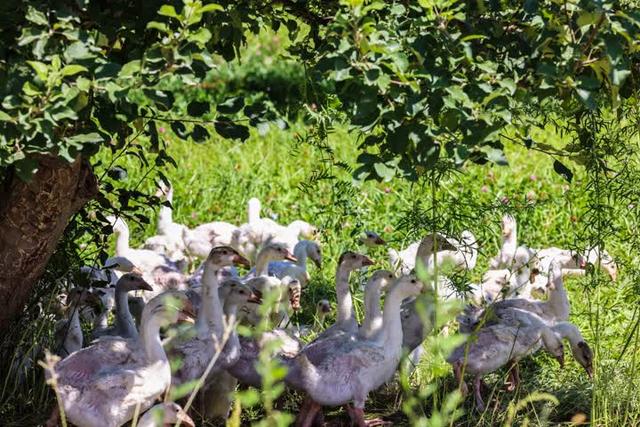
(443, 79)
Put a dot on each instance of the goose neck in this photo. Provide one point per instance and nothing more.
(124, 320)
(392, 322)
(343, 294)
(151, 342)
(300, 252)
(373, 314)
(210, 319)
(122, 241)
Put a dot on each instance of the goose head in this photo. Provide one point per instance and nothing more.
(223, 256)
(314, 253)
(381, 279)
(584, 356)
(553, 345)
(508, 225)
(323, 307)
(276, 251)
(117, 224)
(164, 191)
(237, 293)
(165, 414)
(407, 286)
(133, 282)
(353, 261)
(170, 307)
(371, 239)
(303, 229)
(120, 263)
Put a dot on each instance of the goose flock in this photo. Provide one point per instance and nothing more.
(158, 328)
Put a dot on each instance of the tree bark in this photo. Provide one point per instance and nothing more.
(33, 217)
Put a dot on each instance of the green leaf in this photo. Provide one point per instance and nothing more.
(30, 89)
(70, 70)
(230, 130)
(84, 138)
(76, 51)
(4, 117)
(197, 108)
(384, 171)
(160, 26)
(25, 168)
(201, 36)
(231, 105)
(41, 69)
(36, 17)
(168, 10)
(130, 68)
(199, 133)
(211, 7)
(562, 170)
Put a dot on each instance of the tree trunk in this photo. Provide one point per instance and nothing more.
(33, 217)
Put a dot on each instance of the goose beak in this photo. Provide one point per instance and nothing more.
(589, 371)
(145, 286)
(367, 261)
(289, 256)
(240, 260)
(185, 419)
(317, 262)
(187, 314)
(560, 359)
(379, 241)
(255, 297)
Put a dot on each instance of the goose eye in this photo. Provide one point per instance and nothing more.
(353, 256)
(413, 280)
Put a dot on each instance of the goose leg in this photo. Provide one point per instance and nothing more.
(457, 371)
(477, 384)
(305, 419)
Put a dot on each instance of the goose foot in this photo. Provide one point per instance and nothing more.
(357, 418)
(514, 377)
(307, 413)
(54, 418)
(477, 385)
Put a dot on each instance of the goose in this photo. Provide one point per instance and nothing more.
(494, 346)
(509, 246)
(125, 325)
(303, 249)
(371, 239)
(169, 240)
(165, 414)
(555, 309)
(462, 253)
(323, 308)
(287, 294)
(200, 240)
(347, 370)
(68, 332)
(372, 323)
(196, 353)
(144, 259)
(596, 256)
(345, 317)
(107, 382)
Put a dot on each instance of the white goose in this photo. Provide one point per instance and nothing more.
(68, 332)
(372, 323)
(347, 370)
(196, 353)
(303, 250)
(125, 325)
(103, 385)
(169, 240)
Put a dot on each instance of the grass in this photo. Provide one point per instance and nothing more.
(213, 181)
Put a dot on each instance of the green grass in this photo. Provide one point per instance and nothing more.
(213, 181)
